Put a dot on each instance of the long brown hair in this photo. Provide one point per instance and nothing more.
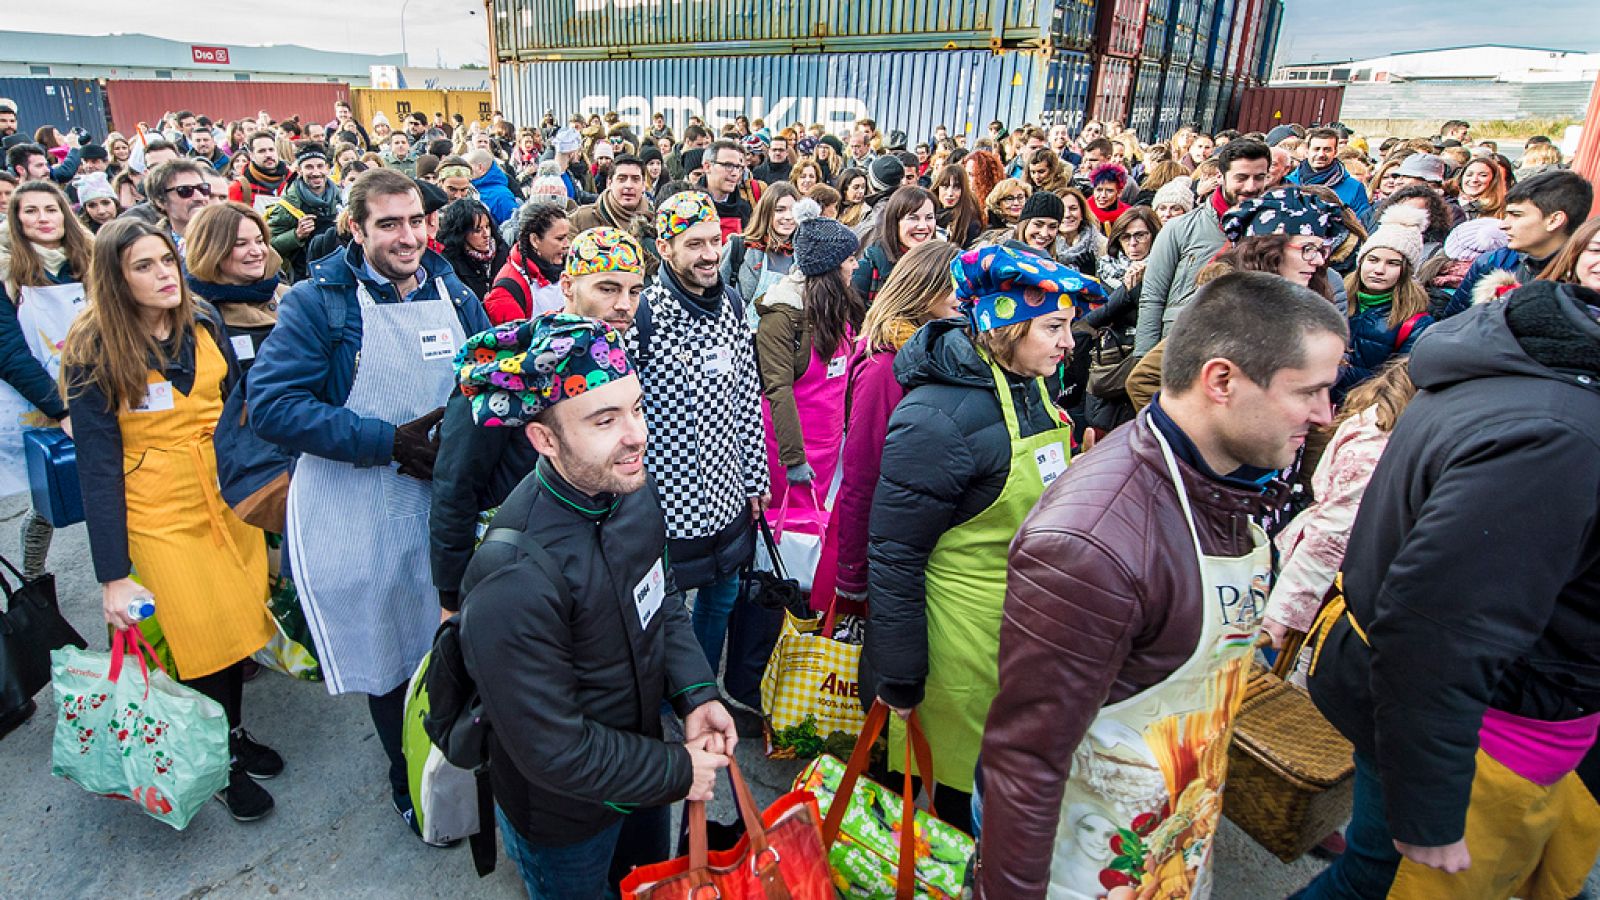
(1563, 266)
(1410, 297)
(833, 309)
(905, 302)
(967, 212)
(109, 344)
(758, 231)
(1493, 202)
(209, 239)
(27, 270)
(906, 199)
(1389, 390)
(1055, 179)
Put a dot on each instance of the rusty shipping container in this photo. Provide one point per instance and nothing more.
(909, 91)
(1265, 108)
(131, 102)
(1586, 161)
(1121, 28)
(1113, 89)
(576, 29)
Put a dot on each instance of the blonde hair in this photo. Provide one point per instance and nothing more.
(1005, 186)
(1390, 390)
(1409, 296)
(209, 239)
(1541, 155)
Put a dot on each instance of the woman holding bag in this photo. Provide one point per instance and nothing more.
(146, 368)
(976, 403)
(40, 267)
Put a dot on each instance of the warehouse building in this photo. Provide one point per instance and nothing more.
(140, 57)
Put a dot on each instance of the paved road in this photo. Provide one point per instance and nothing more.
(333, 833)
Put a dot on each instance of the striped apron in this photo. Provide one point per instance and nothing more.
(358, 537)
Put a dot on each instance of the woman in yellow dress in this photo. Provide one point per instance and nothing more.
(145, 371)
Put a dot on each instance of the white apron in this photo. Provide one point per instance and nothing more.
(44, 315)
(1142, 806)
(358, 537)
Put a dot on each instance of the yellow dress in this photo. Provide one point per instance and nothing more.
(206, 568)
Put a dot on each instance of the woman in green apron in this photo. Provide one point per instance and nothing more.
(970, 448)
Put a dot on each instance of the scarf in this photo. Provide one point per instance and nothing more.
(1112, 268)
(1366, 301)
(550, 272)
(1220, 203)
(477, 256)
(256, 292)
(1330, 178)
(785, 248)
(266, 182)
(618, 216)
(1107, 216)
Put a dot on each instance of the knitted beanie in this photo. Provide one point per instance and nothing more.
(1043, 205)
(885, 174)
(1179, 191)
(1399, 230)
(1276, 135)
(1472, 239)
(820, 244)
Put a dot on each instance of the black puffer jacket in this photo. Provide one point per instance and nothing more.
(573, 690)
(1475, 558)
(945, 459)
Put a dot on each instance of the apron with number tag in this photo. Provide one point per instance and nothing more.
(819, 398)
(44, 316)
(1141, 808)
(966, 589)
(358, 537)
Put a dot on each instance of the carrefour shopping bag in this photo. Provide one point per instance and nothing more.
(136, 734)
(810, 692)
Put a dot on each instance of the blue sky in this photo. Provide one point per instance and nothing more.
(1354, 29)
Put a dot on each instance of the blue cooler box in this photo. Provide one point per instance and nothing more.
(53, 476)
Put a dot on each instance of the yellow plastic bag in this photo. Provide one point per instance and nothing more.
(809, 691)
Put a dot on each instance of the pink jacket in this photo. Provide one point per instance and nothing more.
(1312, 546)
(874, 393)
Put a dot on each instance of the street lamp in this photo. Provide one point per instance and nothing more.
(404, 55)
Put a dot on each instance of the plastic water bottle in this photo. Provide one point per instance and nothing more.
(142, 607)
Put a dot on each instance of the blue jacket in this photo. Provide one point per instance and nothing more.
(301, 379)
(1351, 192)
(1372, 342)
(495, 194)
(19, 368)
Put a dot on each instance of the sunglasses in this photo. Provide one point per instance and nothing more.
(187, 191)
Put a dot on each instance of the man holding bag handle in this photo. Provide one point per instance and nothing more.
(575, 634)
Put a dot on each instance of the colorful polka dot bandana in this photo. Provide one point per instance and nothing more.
(604, 250)
(515, 371)
(680, 212)
(1000, 286)
(1284, 210)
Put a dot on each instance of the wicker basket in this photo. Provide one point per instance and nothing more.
(1290, 776)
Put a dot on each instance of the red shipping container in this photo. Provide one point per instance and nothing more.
(1113, 89)
(1265, 108)
(1241, 44)
(132, 102)
(1586, 161)
(1120, 31)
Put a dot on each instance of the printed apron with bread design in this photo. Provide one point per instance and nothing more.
(1142, 805)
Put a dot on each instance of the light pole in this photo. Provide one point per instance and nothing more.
(403, 53)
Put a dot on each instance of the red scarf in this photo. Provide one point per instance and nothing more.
(1106, 216)
(1220, 203)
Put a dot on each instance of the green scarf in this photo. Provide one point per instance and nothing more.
(1366, 301)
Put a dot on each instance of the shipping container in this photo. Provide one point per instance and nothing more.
(1265, 108)
(1272, 23)
(1221, 39)
(1203, 32)
(588, 29)
(1191, 98)
(1205, 118)
(1171, 112)
(908, 91)
(1146, 100)
(394, 104)
(1113, 89)
(1073, 24)
(1586, 161)
(1121, 28)
(131, 102)
(1180, 48)
(65, 103)
(470, 105)
(1246, 26)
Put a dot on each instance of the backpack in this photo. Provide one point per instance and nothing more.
(1407, 328)
(518, 294)
(455, 720)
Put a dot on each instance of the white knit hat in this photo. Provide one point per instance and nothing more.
(1472, 239)
(1399, 230)
(1179, 190)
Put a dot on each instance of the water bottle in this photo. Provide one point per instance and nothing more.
(142, 607)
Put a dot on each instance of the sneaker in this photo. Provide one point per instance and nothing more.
(246, 801)
(260, 761)
(408, 812)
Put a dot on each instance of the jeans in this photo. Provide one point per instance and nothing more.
(713, 604)
(592, 868)
(1369, 863)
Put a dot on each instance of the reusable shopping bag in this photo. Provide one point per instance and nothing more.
(810, 692)
(798, 529)
(136, 736)
(291, 650)
(444, 796)
(874, 854)
(30, 627)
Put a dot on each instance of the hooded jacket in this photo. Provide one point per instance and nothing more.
(945, 459)
(1475, 557)
(495, 192)
(282, 221)
(573, 685)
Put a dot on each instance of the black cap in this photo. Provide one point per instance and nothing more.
(433, 197)
(1043, 205)
(94, 151)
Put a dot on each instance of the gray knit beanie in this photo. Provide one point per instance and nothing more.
(1178, 191)
(820, 244)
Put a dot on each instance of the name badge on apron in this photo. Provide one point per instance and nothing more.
(436, 344)
(1051, 460)
(648, 594)
(157, 398)
(244, 347)
(717, 360)
(838, 365)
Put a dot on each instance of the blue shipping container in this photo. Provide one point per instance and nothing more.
(1169, 109)
(1221, 34)
(63, 102)
(1272, 21)
(911, 91)
(1146, 100)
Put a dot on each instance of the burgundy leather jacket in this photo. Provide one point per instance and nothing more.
(1103, 601)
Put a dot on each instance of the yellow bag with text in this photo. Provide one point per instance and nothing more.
(810, 692)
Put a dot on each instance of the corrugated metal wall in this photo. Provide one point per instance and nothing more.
(1485, 100)
(62, 102)
(132, 102)
(1265, 108)
(909, 91)
(1586, 161)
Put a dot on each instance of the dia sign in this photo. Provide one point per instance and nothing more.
(216, 56)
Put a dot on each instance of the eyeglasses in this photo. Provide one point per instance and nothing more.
(730, 166)
(1014, 198)
(1136, 235)
(187, 191)
(1316, 252)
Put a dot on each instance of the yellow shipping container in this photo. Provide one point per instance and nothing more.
(394, 104)
(471, 105)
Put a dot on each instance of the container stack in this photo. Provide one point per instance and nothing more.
(1119, 42)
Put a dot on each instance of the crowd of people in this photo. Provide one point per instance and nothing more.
(1086, 416)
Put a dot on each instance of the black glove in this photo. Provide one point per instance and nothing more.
(415, 447)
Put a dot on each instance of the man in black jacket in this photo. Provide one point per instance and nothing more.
(1463, 669)
(573, 660)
